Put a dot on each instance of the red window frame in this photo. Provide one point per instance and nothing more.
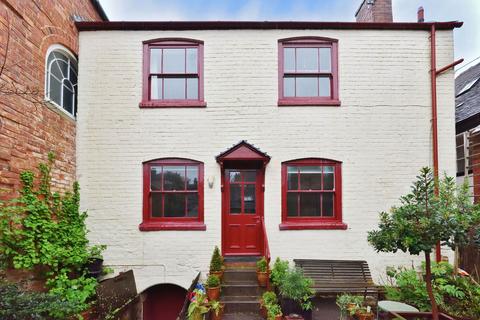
(302, 223)
(309, 42)
(150, 223)
(168, 43)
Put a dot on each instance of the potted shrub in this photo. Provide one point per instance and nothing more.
(296, 293)
(364, 313)
(268, 298)
(262, 275)
(280, 268)
(94, 264)
(213, 287)
(216, 310)
(274, 312)
(347, 304)
(216, 264)
(198, 306)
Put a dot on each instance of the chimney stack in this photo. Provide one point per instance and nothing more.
(375, 11)
(420, 15)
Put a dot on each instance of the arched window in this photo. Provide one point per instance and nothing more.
(61, 79)
(172, 195)
(312, 194)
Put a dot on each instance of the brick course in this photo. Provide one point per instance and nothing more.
(29, 127)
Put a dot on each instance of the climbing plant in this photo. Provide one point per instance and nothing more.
(43, 230)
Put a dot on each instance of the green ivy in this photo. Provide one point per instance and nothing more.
(43, 230)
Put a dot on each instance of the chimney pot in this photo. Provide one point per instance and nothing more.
(420, 15)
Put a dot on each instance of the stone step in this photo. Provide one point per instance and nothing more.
(240, 266)
(240, 298)
(241, 290)
(240, 275)
(241, 306)
(242, 316)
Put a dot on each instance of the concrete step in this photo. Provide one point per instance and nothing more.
(242, 316)
(241, 290)
(240, 298)
(240, 275)
(241, 306)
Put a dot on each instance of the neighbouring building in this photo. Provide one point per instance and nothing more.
(38, 86)
(196, 134)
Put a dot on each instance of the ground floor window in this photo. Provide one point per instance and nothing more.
(172, 195)
(311, 194)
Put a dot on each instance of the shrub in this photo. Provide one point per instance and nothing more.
(269, 298)
(297, 287)
(213, 281)
(216, 261)
(280, 268)
(262, 265)
(273, 310)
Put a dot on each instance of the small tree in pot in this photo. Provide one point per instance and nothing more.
(213, 287)
(296, 293)
(216, 263)
(262, 275)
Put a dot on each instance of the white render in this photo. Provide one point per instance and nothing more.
(381, 132)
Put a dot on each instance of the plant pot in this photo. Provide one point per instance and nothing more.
(262, 278)
(290, 306)
(213, 293)
(294, 317)
(350, 307)
(94, 267)
(263, 312)
(213, 316)
(364, 316)
(219, 274)
(278, 317)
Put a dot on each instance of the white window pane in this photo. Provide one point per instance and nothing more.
(155, 60)
(289, 59)
(289, 87)
(174, 60)
(192, 88)
(192, 60)
(324, 86)
(55, 91)
(307, 87)
(156, 88)
(307, 59)
(174, 88)
(325, 60)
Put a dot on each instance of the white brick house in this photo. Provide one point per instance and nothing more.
(362, 98)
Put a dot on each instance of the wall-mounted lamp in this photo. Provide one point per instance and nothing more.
(210, 181)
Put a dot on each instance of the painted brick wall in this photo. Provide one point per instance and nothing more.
(30, 128)
(381, 132)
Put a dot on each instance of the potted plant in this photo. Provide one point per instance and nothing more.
(296, 293)
(268, 298)
(213, 287)
(347, 304)
(280, 268)
(274, 312)
(364, 313)
(94, 264)
(216, 310)
(216, 264)
(198, 306)
(262, 275)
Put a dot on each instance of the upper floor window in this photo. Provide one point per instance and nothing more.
(172, 195)
(61, 79)
(172, 73)
(308, 71)
(461, 145)
(311, 194)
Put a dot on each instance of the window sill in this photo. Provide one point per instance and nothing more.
(173, 104)
(300, 102)
(310, 225)
(179, 226)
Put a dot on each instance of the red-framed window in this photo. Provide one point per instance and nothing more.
(172, 73)
(312, 194)
(308, 72)
(172, 195)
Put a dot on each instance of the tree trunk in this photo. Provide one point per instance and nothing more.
(428, 280)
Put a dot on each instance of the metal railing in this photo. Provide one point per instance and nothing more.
(266, 250)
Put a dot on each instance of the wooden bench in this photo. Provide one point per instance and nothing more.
(333, 277)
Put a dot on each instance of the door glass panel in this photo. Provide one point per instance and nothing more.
(235, 176)
(192, 178)
(310, 204)
(307, 60)
(156, 178)
(156, 205)
(328, 178)
(173, 178)
(249, 176)
(249, 198)
(311, 178)
(174, 205)
(173, 60)
(235, 199)
(292, 204)
(327, 204)
(192, 205)
(292, 173)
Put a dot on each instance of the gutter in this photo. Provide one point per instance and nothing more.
(434, 73)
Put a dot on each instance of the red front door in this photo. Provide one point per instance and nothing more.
(242, 211)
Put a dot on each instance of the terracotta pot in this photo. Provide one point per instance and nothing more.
(213, 316)
(263, 311)
(364, 316)
(278, 317)
(262, 278)
(219, 274)
(213, 293)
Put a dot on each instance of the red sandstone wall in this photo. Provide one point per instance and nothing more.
(30, 128)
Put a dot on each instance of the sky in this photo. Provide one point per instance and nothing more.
(467, 38)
